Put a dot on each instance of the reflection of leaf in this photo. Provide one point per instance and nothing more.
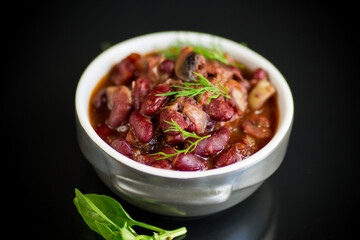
(107, 217)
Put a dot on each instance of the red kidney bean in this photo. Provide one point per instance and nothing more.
(121, 107)
(163, 164)
(99, 101)
(219, 110)
(152, 103)
(124, 71)
(167, 66)
(168, 115)
(236, 153)
(189, 162)
(213, 144)
(142, 126)
(140, 89)
(258, 75)
(149, 159)
(257, 126)
(174, 140)
(104, 131)
(122, 146)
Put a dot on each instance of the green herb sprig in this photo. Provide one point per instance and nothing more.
(213, 53)
(108, 218)
(175, 127)
(198, 87)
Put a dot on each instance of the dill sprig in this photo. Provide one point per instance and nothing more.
(175, 127)
(213, 53)
(198, 87)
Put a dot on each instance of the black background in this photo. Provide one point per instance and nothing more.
(311, 196)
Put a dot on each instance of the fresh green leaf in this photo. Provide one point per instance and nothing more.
(175, 127)
(107, 217)
(213, 53)
(198, 87)
(91, 213)
(107, 233)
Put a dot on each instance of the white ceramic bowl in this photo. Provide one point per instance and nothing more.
(179, 193)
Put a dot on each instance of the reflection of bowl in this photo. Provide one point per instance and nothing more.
(179, 193)
(256, 218)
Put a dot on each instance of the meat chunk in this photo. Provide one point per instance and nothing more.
(197, 116)
(257, 126)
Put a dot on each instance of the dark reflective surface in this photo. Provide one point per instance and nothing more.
(314, 47)
(255, 218)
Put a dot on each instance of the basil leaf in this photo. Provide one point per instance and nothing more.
(107, 217)
(107, 233)
(91, 213)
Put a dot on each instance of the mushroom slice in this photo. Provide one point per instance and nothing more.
(262, 91)
(187, 63)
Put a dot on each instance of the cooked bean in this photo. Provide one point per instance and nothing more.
(237, 152)
(99, 101)
(219, 110)
(122, 146)
(259, 74)
(127, 113)
(170, 115)
(121, 108)
(140, 89)
(152, 103)
(163, 164)
(257, 126)
(103, 131)
(167, 66)
(189, 162)
(123, 72)
(142, 126)
(149, 159)
(211, 145)
(174, 139)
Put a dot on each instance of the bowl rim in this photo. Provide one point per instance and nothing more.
(283, 127)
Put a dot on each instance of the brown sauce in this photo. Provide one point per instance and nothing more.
(153, 67)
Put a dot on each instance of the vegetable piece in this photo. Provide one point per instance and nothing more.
(198, 87)
(107, 217)
(262, 91)
(187, 63)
